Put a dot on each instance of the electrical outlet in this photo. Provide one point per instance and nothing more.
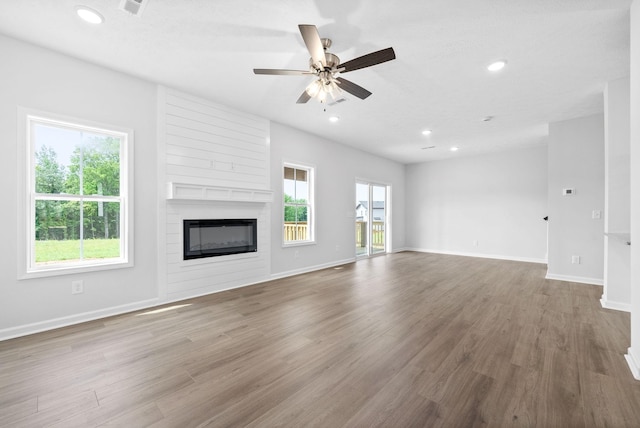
(337, 248)
(77, 287)
(596, 214)
(296, 254)
(575, 260)
(475, 243)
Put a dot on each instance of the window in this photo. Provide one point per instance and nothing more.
(76, 196)
(298, 204)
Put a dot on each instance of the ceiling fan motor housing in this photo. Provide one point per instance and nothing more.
(330, 59)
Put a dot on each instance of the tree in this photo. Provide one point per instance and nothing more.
(97, 163)
(50, 175)
(297, 212)
(50, 178)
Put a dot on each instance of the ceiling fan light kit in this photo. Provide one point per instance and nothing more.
(327, 67)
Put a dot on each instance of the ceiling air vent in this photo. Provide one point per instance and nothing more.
(134, 7)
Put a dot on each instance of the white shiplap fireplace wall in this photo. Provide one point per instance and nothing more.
(216, 167)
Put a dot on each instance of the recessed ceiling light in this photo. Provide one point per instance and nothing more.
(89, 15)
(496, 66)
(334, 119)
(454, 149)
(426, 132)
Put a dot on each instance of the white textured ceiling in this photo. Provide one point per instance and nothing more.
(560, 54)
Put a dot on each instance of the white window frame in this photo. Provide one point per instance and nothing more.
(27, 267)
(311, 230)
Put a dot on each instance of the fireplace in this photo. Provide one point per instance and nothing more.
(211, 238)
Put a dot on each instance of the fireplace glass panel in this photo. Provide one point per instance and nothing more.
(211, 238)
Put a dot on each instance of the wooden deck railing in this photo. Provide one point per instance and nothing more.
(298, 232)
(377, 234)
(295, 232)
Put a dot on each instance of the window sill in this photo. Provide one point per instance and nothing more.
(74, 269)
(298, 244)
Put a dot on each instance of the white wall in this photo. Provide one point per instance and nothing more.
(40, 79)
(576, 160)
(487, 206)
(633, 356)
(616, 291)
(336, 169)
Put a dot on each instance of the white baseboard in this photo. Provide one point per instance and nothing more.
(617, 306)
(27, 329)
(633, 364)
(580, 279)
(479, 255)
(312, 268)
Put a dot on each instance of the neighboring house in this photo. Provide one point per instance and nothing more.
(363, 207)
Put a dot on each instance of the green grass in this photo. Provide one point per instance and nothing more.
(69, 250)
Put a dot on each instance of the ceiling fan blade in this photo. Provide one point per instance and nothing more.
(303, 98)
(368, 60)
(314, 44)
(352, 88)
(273, 71)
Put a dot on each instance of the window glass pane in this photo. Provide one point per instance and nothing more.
(289, 190)
(101, 227)
(288, 173)
(296, 223)
(100, 165)
(50, 220)
(301, 175)
(302, 214)
(54, 251)
(302, 192)
(301, 224)
(66, 157)
(101, 220)
(57, 231)
(289, 229)
(290, 214)
(378, 194)
(53, 150)
(72, 219)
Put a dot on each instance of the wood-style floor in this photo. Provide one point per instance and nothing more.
(401, 340)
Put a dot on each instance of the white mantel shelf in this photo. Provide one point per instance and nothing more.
(195, 192)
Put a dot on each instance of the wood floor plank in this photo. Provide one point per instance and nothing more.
(406, 339)
(514, 399)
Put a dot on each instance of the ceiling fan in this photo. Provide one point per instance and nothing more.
(327, 67)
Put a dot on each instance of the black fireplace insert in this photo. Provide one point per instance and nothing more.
(211, 238)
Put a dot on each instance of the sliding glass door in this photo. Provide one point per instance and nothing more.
(371, 218)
